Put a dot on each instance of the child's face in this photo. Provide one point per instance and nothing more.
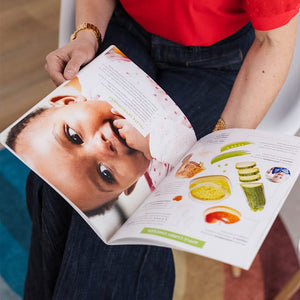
(76, 149)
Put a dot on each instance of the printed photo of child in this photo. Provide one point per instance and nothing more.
(88, 151)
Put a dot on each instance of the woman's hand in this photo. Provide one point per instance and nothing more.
(64, 63)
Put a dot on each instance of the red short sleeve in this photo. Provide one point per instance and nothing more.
(267, 15)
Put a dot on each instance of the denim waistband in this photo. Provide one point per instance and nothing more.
(232, 48)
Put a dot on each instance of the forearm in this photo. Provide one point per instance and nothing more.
(97, 12)
(64, 63)
(261, 77)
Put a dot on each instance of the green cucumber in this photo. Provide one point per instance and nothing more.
(249, 178)
(228, 155)
(245, 164)
(254, 192)
(248, 171)
(234, 145)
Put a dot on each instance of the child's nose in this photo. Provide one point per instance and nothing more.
(106, 144)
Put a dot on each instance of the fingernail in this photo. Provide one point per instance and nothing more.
(69, 71)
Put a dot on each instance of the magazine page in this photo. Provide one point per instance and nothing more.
(103, 140)
(222, 198)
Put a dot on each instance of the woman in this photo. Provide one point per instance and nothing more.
(223, 62)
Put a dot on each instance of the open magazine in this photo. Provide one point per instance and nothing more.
(122, 153)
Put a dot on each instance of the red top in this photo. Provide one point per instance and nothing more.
(203, 23)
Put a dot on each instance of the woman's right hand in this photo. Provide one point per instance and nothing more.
(64, 63)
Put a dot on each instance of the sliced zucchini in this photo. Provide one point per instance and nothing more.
(245, 164)
(250, 178)
(248, 171)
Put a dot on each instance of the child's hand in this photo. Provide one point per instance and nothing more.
(134, 139)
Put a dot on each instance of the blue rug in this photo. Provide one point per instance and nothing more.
(15, 226)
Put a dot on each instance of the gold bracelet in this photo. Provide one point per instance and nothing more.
(220, 125)
(87, 26)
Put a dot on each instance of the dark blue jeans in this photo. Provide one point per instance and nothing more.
(67, 260)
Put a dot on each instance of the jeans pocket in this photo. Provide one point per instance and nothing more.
(228, 61)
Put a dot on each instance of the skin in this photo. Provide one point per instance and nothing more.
(73, 146)
(261, 76)
(133, 137)
(63, 64)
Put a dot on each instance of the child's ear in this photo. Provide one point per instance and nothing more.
(130, 189)
(61, 100)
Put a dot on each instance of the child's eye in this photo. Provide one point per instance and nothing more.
(73, 136)
(105, 174)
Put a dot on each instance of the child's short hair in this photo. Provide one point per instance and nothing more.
(18, 128)
(100, 210)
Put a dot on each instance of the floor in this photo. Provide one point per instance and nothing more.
(29, 32)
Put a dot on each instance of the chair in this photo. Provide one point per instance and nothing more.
(290, 288)
(66, 21)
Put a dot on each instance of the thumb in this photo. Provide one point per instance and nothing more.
(72, 68)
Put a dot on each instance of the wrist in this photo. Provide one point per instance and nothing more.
(88, 30)
(87, 38)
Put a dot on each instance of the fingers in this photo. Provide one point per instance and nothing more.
(133, 137)
(122, 124)
(73, 67)
(115, 112)
(126, 131)
(55, 64)
(64, 63)
(123, 127)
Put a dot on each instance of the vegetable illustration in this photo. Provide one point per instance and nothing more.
(245, 164)
(254, 192)
(248, 171)
(234, 145)
(224, 214)
(210, 188)
(189, 168)
(177, 198)
(228, 155)
(208, 191)
(250, 178)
